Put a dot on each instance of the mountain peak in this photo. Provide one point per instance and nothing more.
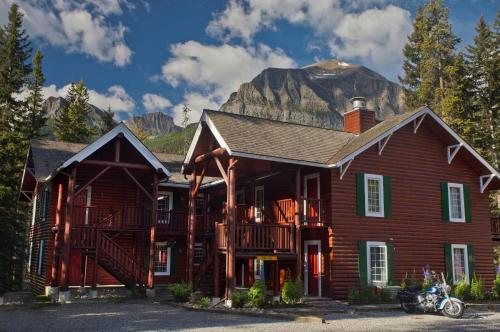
(332, 64)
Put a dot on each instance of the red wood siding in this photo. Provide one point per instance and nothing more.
(417, 164)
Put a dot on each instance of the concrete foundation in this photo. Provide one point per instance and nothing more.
(64, 296)
(276, 298)
(82, 290)
(215, 300)
(53, 293)
(93, 294)
(228, 303)
(150, 292)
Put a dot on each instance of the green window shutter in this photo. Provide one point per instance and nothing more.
(45, 204)
(360, 194)
(362, 263)
(448, 262)
(445, 209)
(471, 261)
(390, 263)
(173, 260)
(467, 202)
(387, 196)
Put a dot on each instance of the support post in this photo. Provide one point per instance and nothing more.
(298, 238)
(192, 225)
(216, 274)
(65, 266)
(57, 234)
(231, 224)
(152, 234)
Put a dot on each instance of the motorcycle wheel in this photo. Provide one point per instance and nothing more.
(453, 309)
(408, 308)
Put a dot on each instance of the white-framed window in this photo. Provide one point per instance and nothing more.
(258, 269)
(30, 256)
(33, 211)
(165, 206)
(376, 254)
(162, 259)
(41, 253)
(374, 195)
(198, 253)
(460, 262)
(88, 203)
(456, 202)
(259, 203)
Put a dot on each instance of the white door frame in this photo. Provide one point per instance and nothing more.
(306, 266)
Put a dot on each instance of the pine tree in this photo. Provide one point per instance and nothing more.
(108, 122)
(484, 73)
(35, 117)
(71, 123)
(429, 58)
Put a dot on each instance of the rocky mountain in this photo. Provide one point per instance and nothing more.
(317, 94)
(154, 124)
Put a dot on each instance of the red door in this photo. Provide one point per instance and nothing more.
(312, 206)
(313, 270)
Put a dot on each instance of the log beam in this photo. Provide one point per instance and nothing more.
(298, 238)
(65, 266)
(199, 180)
(231, 224)
(139, 185)
(116, 164)
(192, 226)
(57, 233)
(209, 155)
(101, 173)
(152, 233)
(221, 170)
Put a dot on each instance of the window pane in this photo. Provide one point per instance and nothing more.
(458, 263)
(455, 202)
(373, 195)
(198, 253)
(164, 202)
(378, 270)
(161, 258)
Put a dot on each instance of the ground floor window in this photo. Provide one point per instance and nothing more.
(376, 253)
(259, 269)
(162, 259)
(41, 253)
(459, 262)
(198, 253)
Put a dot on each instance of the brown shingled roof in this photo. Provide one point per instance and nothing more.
(49, 155)
(271, 138)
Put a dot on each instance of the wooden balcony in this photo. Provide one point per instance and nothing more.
(495, 228)
(256, 238)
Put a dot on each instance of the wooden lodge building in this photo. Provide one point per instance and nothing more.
(261, 199)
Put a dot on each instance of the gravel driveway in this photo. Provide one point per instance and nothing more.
(141, 316)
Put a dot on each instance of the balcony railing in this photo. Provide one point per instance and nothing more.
(258, 237)
(495, 228)
(111, 217)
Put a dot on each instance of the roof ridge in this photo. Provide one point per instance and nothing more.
(273, 120)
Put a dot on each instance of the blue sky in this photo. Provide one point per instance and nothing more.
(146, 56)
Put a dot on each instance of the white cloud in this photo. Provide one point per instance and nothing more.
(115, 97)
(196, 102)
(78, 26)
(213, 72)
(355, 30)
(153, 102)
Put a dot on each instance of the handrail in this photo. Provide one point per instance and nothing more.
(258, 237)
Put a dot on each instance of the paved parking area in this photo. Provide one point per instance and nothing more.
(145, 316)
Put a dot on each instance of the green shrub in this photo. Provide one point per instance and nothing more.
(404, 283)
(353, 295)
(462, 289)
(368, 294)
(477, 289)
(204, 302)
(495, 290)
(42, 298)
(257, 294)
(239, 299)
(426, 283)
(292, 291)
(181, 291)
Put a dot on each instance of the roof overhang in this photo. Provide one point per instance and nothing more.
(106, 138)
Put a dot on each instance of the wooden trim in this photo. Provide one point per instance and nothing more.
(115, 164)
(221, 170)
(139, 185)
(82, 188)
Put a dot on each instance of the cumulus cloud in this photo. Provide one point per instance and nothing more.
(153, 102)
(115, 97)
(196, 102)
(79, 26)
(355, 30)
(213, 72)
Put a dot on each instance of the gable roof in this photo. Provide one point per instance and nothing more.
(259, 138)
(49, 155)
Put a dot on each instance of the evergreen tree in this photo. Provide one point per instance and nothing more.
(108, 122)
(429, 64)
(35, 117)
(71, 123)
(137, 128)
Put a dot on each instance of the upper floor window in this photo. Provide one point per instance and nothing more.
(374, 195)
(456, 202)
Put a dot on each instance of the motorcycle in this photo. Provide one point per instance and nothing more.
(434, 299)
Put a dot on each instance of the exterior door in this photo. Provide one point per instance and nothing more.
(312, 269)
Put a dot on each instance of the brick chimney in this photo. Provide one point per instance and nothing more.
(359, 119)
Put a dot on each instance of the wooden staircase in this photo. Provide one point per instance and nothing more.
(118, 262)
